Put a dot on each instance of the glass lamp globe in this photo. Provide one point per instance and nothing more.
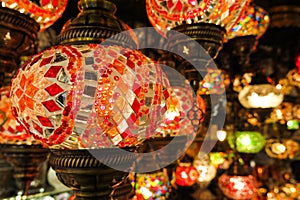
(152, 186)
(184, 110)
(261, 96)
(214, 82)
(44, 12)
(12, 132)
(254, 21)
(238, 187)
(246, 141)
(221, 160)
(89, 96)
(186, 174)
(206, 170)
(281, 149)
(167, 14)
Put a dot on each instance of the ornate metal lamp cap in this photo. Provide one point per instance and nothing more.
(95, 23)
(210, 36)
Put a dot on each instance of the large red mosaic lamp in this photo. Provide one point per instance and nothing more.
(19, 25)
(90, 103)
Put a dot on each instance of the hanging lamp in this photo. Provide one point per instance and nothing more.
(242, 38)
(20, 23)
(237, 183)
(86, 99)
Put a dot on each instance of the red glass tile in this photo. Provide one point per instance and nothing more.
(54, 89)
(45, 2)
(166, 94)
(19, 92)
(22, 81)
(46, 61)
(120, 67)
(136, 88)
(37, 127)
(133, 117)
(136, 106)
(130, 64)
(35, 59)
(45, 121)
(52, 71)
(51, 106)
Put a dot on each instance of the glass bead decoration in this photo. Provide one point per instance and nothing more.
(11, 132)
(238, 187)
(254, 21)
(152, 186)
(214, 82)
(90, 96)
(246, 141)
(45, 12)
(166, 14)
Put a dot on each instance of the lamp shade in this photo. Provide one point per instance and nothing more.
(167, 14)
(281, 149)
(206, 170)
(221, 160)
(186, 174)
(246, 141)
(260, 96)
(89, 96)
(44, 12)
(254, 21)
(152, 186)
(214, 82)
(184, 112)
(238, 187)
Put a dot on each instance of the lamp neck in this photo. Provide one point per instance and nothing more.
(95, 24)
(103, 5)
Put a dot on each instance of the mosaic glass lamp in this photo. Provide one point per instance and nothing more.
(238, 187)
(44, 12)
(281, 148)
(186, 174)
(89, 96)
(81, 98)
(243, 37)
(152, 186)
(237, 183)
(261, 96)
(254, 21)
(246, 141)
(207, 171)
(165, 15)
